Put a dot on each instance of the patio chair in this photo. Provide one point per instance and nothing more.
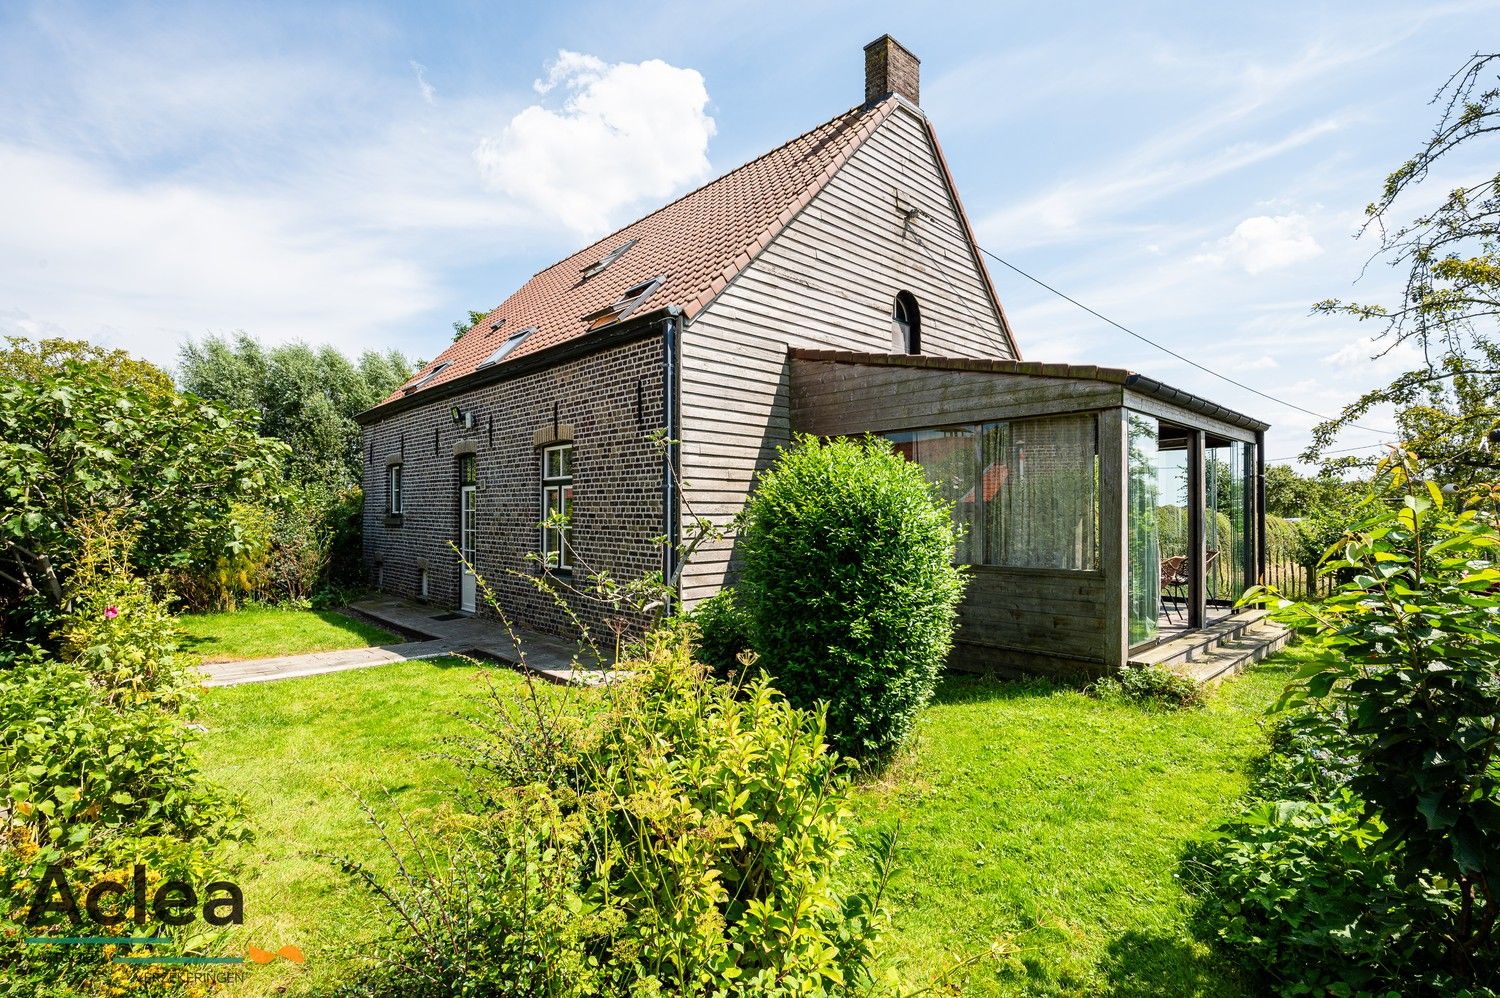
(1173, 577)
(1210, 560)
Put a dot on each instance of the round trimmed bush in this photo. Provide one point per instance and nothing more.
(849, 586)
(722, 633)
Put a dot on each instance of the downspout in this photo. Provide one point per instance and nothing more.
(671, 465)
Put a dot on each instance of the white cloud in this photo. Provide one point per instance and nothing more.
(1265, 242)
(1083, 208)
(334, 208)
(1376, 358)
(429, 92)
(627, 132)
(1263, 362)
(143, 265)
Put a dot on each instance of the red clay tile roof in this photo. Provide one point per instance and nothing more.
(698, 243)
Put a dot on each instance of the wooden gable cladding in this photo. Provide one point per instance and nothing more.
(887, 221)
(837, 398)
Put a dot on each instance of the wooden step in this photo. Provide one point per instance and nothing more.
(1194, 645)
(1221, 649)
(1229, 657)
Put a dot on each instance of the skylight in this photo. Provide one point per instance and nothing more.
(439, 369)
(627, 303)
(604, 261)
(511, 342)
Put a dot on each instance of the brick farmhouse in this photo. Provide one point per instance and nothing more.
(831, 286)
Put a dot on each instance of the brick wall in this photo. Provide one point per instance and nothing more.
(617, 475)
(890, 68)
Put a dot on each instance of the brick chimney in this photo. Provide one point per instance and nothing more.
(891, 69)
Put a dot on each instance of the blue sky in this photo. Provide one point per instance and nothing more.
(362, 175)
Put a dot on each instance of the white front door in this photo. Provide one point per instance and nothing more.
(467, 529)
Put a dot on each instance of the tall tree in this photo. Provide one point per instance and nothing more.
(90, 433)
(1450, 306)
(23, 358)
(307, 397)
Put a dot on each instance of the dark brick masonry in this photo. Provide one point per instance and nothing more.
(610, 400)
(891, 69)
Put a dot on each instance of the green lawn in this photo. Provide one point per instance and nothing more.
(261, 632)
(1040, 829)
(300, 752)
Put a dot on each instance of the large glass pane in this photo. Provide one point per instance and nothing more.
(1228, 529)
(1143, 523)
(1173, 520)
(947, 456)
(1039, 505)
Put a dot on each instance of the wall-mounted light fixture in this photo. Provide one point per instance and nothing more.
(463, 417)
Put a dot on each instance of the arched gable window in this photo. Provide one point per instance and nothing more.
(906, 324)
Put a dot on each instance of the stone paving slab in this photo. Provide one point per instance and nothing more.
(554, 658)
(262, 670)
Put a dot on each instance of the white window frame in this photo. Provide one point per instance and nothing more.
(557, 544)
(626, 304)
(511, 342)
(393, 496)
(906, 324)
(423, 379)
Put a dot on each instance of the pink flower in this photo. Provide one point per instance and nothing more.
(110, 613)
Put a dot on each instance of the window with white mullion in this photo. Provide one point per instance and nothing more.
(557, 506)
(393, 490)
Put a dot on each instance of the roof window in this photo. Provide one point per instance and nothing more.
(438, 369)
(604, 261)
(511, 342)
(627, 303)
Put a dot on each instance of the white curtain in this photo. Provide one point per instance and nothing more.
(1041, 493)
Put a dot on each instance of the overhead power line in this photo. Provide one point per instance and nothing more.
(1341, 450)
(1168, 350)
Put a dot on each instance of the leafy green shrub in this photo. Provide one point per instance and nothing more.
(1368, 863)
(286, 550)
(491, 905)
(850, 586)
(1311, 759)
(723, 633)
(1299, 889)
(343, 526)
(117, 629)
(81, 431)
(97, 771)
(1409, 647)
(82, 762)
(680, 838)
(1152, 685)
(1295, 883)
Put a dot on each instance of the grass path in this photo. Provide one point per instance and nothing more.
(299, 751)
(1040, 832)
(262, 632)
